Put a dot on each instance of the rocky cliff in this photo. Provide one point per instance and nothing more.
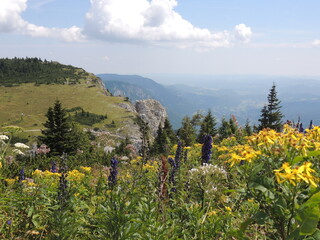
(152, 113)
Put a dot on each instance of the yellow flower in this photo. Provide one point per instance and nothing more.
(10, 181)
(133, 161)
(198, 145)
(251, 200)
(212, 213)
(85, 169)
(37, 172)
(297, 174)
(235, 159)
(75, 175)
(228, 209)
(187, 148)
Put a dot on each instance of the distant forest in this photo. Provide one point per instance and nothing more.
(34, 70)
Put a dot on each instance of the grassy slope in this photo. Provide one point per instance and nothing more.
(33, 102)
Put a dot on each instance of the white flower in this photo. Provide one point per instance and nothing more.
(21, 145)
(4, 137)
(17, 151)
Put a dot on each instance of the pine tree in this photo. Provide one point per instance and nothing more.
(271, 116)
(207, 127)
(187, 133)
(224, 130)
(169, 131)
(248, 129)
(60, 134)
(165, 139)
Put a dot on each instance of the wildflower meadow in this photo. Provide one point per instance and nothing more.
(262, 186)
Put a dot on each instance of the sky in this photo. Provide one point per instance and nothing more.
(198, 37)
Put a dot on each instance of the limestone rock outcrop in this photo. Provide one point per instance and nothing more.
(151, 112)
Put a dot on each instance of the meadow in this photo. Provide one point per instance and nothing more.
(264, 186)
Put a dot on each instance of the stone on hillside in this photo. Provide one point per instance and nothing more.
(152, 113)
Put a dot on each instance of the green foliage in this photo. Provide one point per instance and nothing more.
(187, 132)
(61, 135)
(271, 116)
(207, 127)
(85, 118)
(34, 70)
(228, 128)
(165, 139)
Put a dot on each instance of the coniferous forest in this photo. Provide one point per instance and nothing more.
(34, 70)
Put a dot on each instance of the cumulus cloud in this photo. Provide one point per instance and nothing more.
(155, 21)
(146, 21)
(11, 21)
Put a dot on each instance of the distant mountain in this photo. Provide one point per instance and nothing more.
(242, 96)
(137, 88)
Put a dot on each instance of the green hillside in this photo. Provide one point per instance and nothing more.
(25, 103)
(34, 70)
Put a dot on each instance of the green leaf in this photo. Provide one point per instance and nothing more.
(309, 215)
(309, 222)
(263, 189)
(301, 158)
(257, 168)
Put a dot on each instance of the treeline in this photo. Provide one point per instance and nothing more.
(35, 70)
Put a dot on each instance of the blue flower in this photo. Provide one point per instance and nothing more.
(207, 149)
(113, 172)
(54, 167)
(22, 176)
(177, 157)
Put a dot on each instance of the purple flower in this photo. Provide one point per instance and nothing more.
(9, 222)
(301, 129)
(173, 171)
(113, 172)
(54, 167)
(207, 149)
(22, 176)
(177, 157)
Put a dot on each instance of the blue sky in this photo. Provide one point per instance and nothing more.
(211, 37)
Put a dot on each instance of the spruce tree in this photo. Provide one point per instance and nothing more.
(207, 127)
(61, 135)
(187, 133)
(271, 116)
(165, 139)
(167, 128)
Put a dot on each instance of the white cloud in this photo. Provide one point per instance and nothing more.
(11, 21)
(316, 43)
(155, 22)
(243, 33)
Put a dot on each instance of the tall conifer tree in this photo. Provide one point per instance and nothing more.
(207, 127)
(271, 116)
(187, 133)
